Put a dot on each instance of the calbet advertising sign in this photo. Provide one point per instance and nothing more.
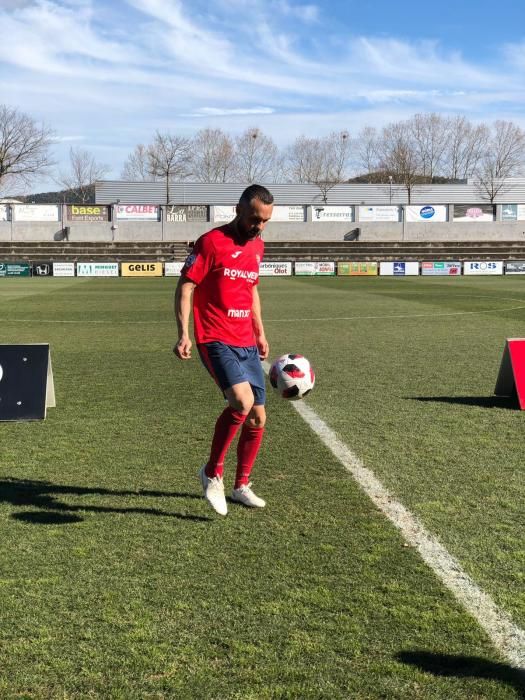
(36, 212)
(474, 212)
(275, 269)
(324, 214)
(141, 269)
(91, 212)
(483, 267)
(137, 212)
(186, 213)
(97, 269)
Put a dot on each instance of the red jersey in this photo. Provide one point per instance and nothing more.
(225, 272)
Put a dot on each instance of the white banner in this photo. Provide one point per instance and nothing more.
(515, 267)
(36, 212)
(384, 213)
(426, 213)
(4, 212)
(473, 212)
(275, 269)
(315, 268)
(324, 213)
(290, 213)
(137, 212)
(513, 212)
(64, 269)
(173, 269)
(483, 267)
(399, 268)
(224, 214)
(97, 269)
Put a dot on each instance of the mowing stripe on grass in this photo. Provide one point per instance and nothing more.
(507, 637)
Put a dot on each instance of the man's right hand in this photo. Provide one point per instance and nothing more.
(183, 349)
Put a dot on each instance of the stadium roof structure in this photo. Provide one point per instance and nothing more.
(109, 191)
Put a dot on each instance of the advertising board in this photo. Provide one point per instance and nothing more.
(323, 213)
(42, 269)
(474, 212)
(426, 214)
(15, 269)
(36, 212)
(183, 213)
(442, 268)
(483, 267)
(173, 269)
(137, 212)
(141, 269)
(515, 267)
(63, 269)
(399, 268)
(89, 212)
(97, 269)
(314, 268)
(382, 213)
(357, 268)
(275, 269)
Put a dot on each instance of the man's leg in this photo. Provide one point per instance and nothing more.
(240, 402)
(247, 450)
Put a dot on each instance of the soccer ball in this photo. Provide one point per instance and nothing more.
(292, 376)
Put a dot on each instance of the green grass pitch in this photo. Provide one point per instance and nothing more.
(117, 580)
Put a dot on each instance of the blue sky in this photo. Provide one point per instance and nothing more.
(106, 74)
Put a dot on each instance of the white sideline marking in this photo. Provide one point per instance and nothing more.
(507, 637)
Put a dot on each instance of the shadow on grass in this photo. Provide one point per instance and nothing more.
(509, 402)
(52, 511)
(465, 666)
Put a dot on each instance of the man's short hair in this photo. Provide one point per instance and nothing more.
(256, 192)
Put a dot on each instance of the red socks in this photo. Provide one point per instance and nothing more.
(247, 449)
(226, 428)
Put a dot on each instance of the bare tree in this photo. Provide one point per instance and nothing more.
(83, 172)
(319, 161)
(503, 158)
(466, 143)
(399, 155)
(367, 153)
(169, 158)
(256, 157)
(137, 166)
(431, 139)
(24, 146)
(213, 156)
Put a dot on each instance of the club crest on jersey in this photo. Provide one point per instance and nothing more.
(190, 260)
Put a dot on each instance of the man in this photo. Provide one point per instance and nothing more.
(222, 274)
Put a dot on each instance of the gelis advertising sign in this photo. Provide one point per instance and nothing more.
(141, 269)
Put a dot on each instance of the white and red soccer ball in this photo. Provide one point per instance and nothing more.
(292, 376)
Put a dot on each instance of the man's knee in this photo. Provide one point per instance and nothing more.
(257, 417)
(240, 398)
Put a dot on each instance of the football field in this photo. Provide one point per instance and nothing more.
(118, 581)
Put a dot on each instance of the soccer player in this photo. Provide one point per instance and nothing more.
(221, 274)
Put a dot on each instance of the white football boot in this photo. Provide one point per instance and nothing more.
(246, 496)
(213, 492)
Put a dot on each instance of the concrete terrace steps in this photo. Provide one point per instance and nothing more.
(274, 250)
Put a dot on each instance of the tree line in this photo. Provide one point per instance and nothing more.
(427, 148)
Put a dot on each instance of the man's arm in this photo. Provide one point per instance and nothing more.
(182, 305)
(258, 328)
